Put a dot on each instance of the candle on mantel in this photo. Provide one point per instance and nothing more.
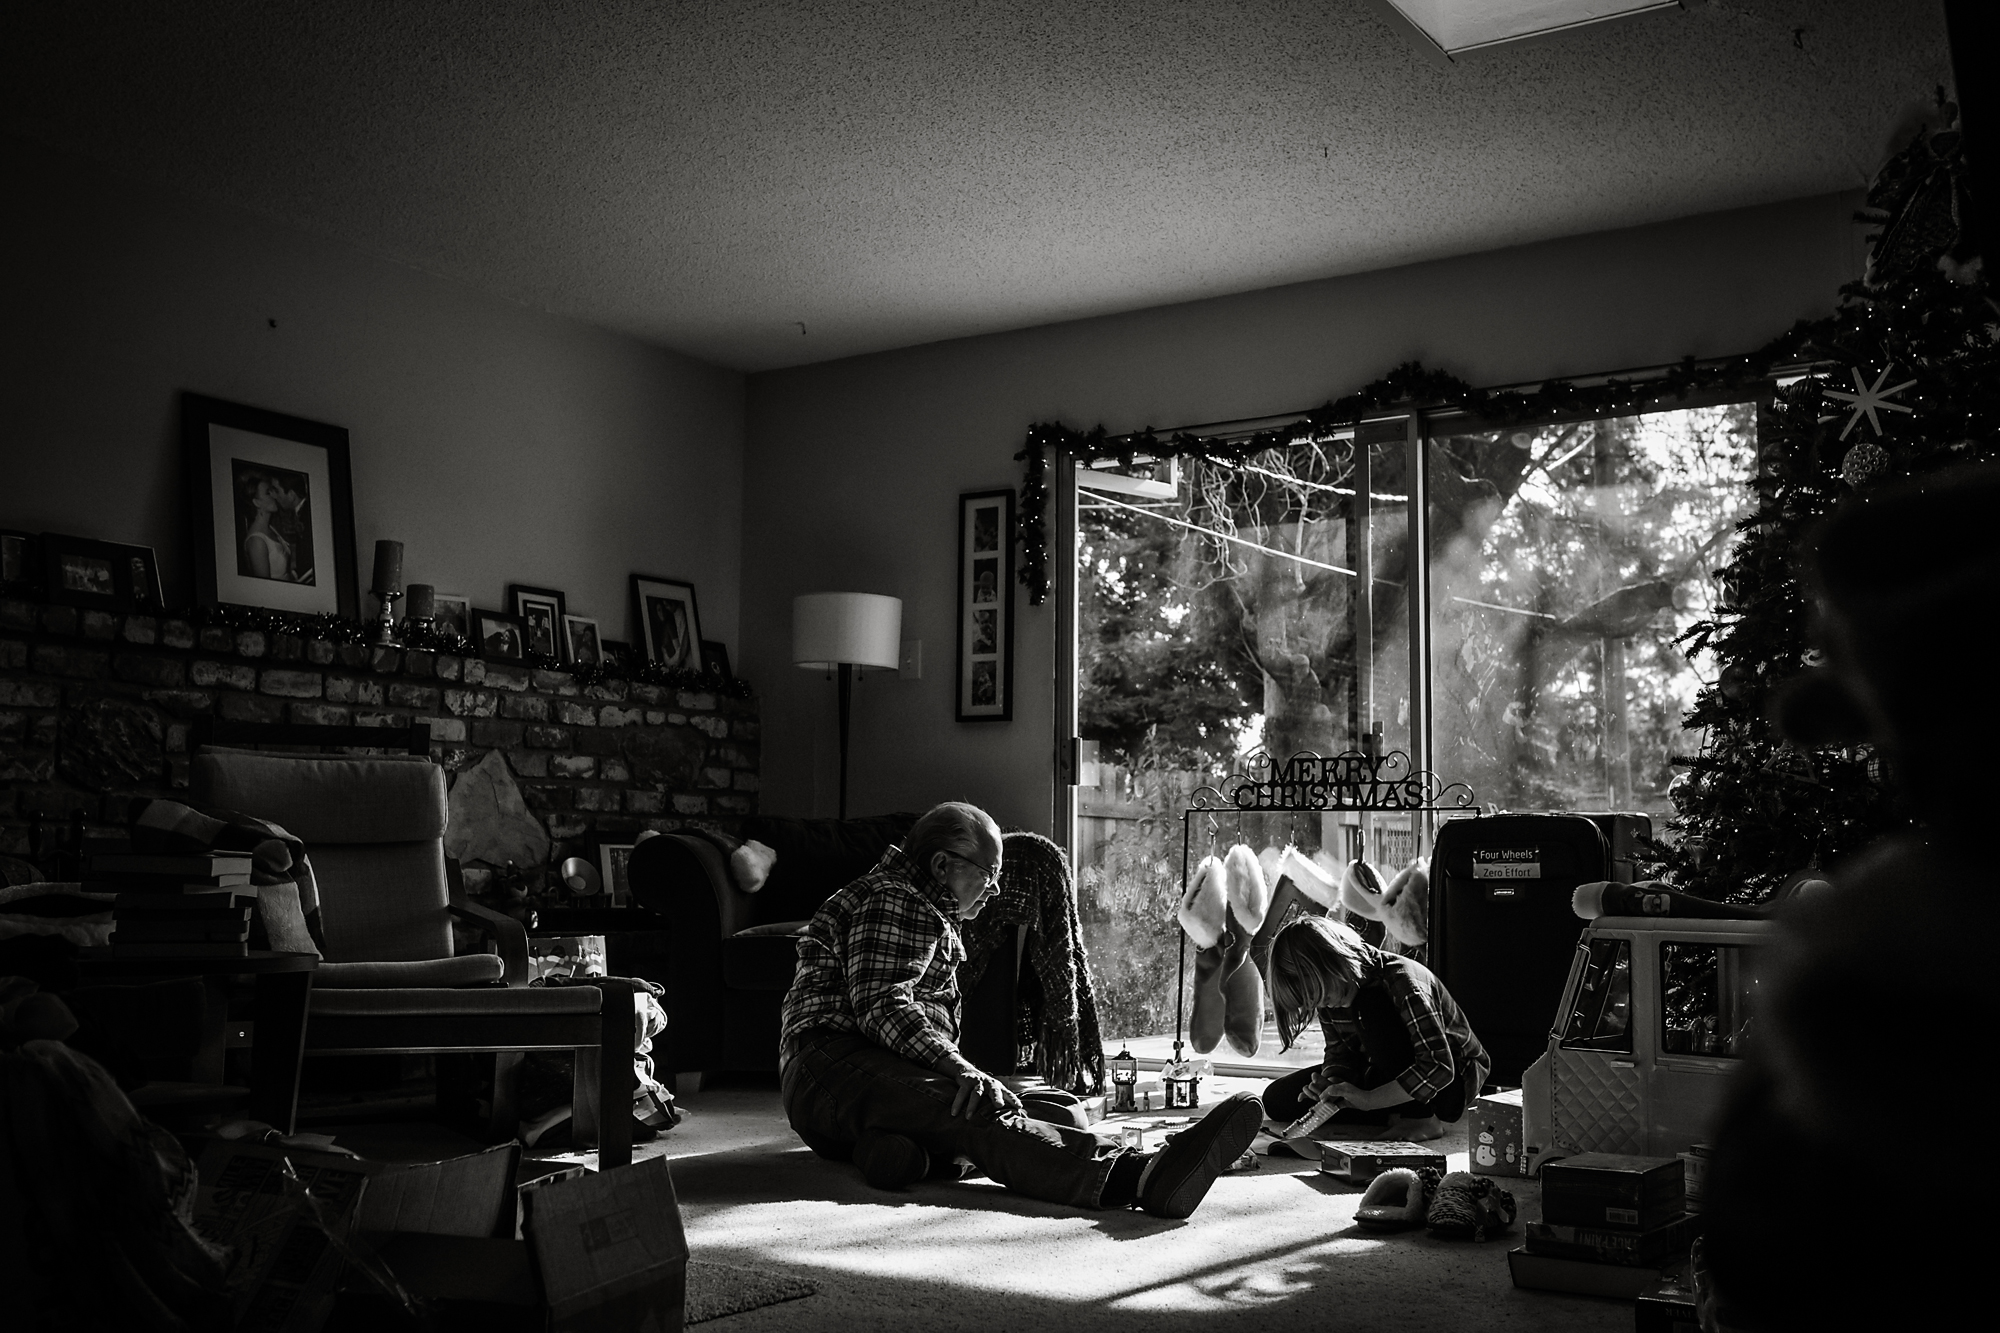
(388, 568)
(422, 601)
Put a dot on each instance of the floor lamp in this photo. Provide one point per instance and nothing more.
(846, 630)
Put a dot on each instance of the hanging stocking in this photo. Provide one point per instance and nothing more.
(1204, 905)
(1248, 894)
(1315, 881)
(1206, 1016)
(1242, 989)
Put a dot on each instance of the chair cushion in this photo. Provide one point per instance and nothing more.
(817, 857)
(328, 799)
(383, 902)
(470, 969)
(428, 1000)
(762, 957)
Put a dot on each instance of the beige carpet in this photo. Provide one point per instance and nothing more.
(1274, 1250)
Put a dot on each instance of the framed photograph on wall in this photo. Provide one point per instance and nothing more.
(614, 859)
(986, 606)
(669, 625)
(19, 568)
(106, 576)
(499, 636)
(452, 611)
(581, 645)
(541, 612)
(272, 509)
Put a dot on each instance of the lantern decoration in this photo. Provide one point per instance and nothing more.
(1124, 1081)
(1181, 1081)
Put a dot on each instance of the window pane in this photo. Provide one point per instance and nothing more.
(1707, 994)
(1600, 1018)
(1564, 561)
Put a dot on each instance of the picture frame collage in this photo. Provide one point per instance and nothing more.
(986, 606)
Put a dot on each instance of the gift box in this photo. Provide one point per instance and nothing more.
(1494, 1137)
(1604, 1246)
(1359, 1163)
(1614, 1191)
(1694, 1167)
(1584, 1277)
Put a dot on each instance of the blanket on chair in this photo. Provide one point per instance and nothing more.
(1037, 890)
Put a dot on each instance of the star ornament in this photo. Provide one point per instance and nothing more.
(1868, 399)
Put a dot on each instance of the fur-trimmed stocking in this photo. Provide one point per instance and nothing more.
(1207, 1014)
(1204, 907)
(1242, 988)
(1316, 881)
(1402, 905)
(1248, 894)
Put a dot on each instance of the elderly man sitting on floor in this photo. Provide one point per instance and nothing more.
(871, 1070)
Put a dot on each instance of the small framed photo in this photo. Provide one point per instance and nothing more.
(581, 646)
(452, 611)
(501, 637)
(669, 625)
(272, 509)
(986, 606)
(715, 657)
(107, 576)
(617, 653)
(541, 613)
(614, 861)
(19, 568)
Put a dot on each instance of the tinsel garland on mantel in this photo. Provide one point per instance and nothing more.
(430, 639)
(1409, 387)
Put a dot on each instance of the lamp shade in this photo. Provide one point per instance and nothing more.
(859, 628)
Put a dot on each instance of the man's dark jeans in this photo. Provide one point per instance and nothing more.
(839, 1086)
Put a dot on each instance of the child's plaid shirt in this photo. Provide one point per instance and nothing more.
(880, 958)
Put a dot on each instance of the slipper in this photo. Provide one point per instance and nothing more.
(1394, 1201)
(1469, 1207)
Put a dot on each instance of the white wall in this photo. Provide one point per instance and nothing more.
(497, 443)
(855, 465)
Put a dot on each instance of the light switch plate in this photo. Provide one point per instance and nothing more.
(912, 667)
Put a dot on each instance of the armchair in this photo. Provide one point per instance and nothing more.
(726, 957)
(390, 981)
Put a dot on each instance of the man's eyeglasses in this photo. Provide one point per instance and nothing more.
(992, 876)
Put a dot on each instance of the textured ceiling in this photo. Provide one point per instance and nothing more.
(715, 177)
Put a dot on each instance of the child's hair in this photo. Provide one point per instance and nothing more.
(1304, 956)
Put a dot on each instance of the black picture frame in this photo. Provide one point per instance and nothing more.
(668, 621)
(715, 658)
(541, 611)
(233, 453)
(103, 576)
(20, 563)
(985, 687)
(499, 637)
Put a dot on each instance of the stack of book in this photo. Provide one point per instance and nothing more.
(1610, 1223)
(191, 906)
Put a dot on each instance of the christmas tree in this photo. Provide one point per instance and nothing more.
(1913, 385)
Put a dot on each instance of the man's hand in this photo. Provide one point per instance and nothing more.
(980, 1092)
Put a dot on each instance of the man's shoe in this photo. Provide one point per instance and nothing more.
(890, 1161)
(1179, 1176)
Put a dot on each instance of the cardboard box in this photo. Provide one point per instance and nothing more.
(1495, 1139)
(1599, 1245)
(287, 1260)
(609, 1249)
(1543, 1272)
(1615, 1191)
(477, 1284)
(1360, 1163)
(461, 1196)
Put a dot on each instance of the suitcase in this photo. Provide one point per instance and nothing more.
(1502, 928)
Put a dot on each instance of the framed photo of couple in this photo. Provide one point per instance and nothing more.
(669, 624)
(272, 508)
(986, 606)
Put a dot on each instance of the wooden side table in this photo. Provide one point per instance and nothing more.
(283, 989)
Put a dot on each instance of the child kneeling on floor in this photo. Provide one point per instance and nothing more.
(1400, 1055)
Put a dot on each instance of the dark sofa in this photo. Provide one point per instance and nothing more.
(726, 957)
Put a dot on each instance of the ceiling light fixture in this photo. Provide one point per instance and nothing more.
(1453, 28)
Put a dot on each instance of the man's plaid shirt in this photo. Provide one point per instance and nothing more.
(1444, 1048)
(880, 958)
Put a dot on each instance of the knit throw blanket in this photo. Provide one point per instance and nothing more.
(1036, 890)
